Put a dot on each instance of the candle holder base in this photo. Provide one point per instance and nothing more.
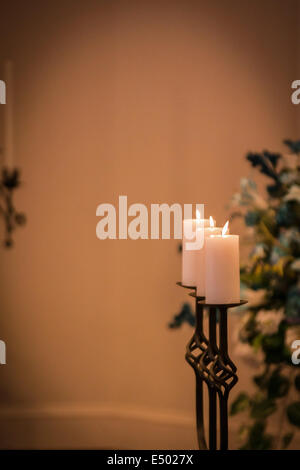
(212, 365)
(185, 286)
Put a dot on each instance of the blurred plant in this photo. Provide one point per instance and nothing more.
(9, 182)
(271, 282)
(186, 315)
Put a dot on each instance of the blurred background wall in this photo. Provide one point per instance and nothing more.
(158, 101)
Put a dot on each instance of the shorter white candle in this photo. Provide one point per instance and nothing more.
(200, 257)
(222, 269)
(189, 257)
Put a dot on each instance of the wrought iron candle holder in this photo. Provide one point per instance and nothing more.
(209, 358)
(9, 182)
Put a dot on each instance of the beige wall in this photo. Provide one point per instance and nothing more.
(156, 100)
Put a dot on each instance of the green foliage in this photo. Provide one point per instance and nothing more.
(278, 385)
(286, 440)
(262, 408)
(297, 382)
(185, 315)
(272, 280)
(257, 438)
(273, 268)
(294, 146)
(266, 162)
(241, 403)
(261, 381)
(293, 413)
(273, 347)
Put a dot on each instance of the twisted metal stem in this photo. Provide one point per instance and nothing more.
(212, 365)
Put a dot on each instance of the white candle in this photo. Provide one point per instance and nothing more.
(189, 257)
(200, 258)
(222, 269)
(8, 116)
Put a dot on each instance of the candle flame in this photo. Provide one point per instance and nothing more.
(197, 214)
(225, 228)
(211, 221)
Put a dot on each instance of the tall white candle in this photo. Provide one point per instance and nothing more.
(222, 269)
(189, 257)
(200, 258)
(9, 116)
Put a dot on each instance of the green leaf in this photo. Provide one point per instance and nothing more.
(273, 347)
(294, 145)
(261, 381)
(272, 342)
(278, 385)
(256, 344)
(258, 439)
(286, 440)
(185, 315)
(297, 382)
(263, 409)
(293, 413)
(241, 403)
(243, 431)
